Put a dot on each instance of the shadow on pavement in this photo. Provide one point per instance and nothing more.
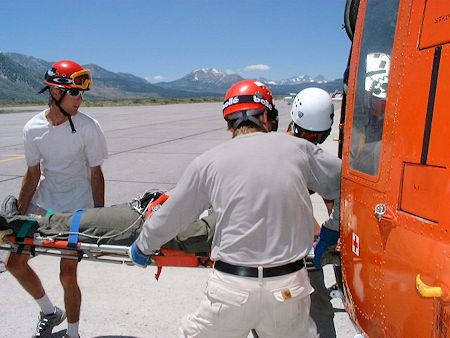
(61, 333)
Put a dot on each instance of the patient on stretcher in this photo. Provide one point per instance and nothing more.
(115, 225)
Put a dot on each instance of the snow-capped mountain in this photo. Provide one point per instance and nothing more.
(214, 81)
(295, 80)
(211, 75)
(207, 80)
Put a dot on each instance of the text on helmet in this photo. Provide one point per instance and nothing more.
(263, 101)
(247, 98)
(230, 101)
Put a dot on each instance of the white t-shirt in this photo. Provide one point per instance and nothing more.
(257, 184)
(65, 159)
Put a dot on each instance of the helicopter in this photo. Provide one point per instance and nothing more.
(395, 219)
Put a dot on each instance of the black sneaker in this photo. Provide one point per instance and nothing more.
(9, 206)
(46, 323)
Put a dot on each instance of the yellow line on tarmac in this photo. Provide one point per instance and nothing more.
(11, 157)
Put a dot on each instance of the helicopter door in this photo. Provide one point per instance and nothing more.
(366, 162)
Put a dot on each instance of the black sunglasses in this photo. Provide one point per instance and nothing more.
(74, 92)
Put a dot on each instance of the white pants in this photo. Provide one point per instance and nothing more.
(275, 307)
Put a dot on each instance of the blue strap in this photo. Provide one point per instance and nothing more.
(75, 227)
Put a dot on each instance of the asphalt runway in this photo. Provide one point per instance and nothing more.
(149, 147)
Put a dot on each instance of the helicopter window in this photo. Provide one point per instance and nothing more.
(372, 85)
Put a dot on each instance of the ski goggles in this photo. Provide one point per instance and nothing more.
(74, 92)
(78, 80)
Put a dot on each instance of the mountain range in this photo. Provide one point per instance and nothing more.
(21, 78)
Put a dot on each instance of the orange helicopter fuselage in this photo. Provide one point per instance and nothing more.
(395, 210)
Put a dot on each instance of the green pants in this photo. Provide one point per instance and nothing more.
(115, 225)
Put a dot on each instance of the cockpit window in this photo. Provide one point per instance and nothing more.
(372, 85)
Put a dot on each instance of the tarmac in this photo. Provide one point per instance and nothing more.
(149, 147)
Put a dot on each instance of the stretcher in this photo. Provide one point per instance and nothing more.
(73, 248)
(117, 254)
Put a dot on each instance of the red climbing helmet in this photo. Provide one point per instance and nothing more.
(68, 74)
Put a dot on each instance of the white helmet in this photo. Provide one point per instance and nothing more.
(312, 110)
(377, 74)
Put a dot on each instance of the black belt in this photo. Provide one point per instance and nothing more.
(246, 271)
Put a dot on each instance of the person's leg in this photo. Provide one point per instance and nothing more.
(284, 308)
(302, 326)
(17, 265)
(224, 310)
(195, 238)
(50, 315)
(72, 292)
(321, 308)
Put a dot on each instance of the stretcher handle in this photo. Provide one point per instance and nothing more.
(57, 244)
(170, 257)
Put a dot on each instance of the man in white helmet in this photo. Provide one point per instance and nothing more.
(312, 115)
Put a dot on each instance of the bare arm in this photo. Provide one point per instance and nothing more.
(98, 186)
(316, 228)
(29, 185)
(329, 204)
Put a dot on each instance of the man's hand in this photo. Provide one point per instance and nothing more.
(138, 257)
(4, 233)
(326, 239)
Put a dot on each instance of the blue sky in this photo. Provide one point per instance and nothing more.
(164, 40)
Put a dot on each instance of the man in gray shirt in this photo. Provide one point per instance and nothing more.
(257, 183)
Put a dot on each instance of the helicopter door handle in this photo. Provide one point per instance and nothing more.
(427, 291)
(383, 213)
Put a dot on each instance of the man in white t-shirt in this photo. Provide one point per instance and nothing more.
(64, 150)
